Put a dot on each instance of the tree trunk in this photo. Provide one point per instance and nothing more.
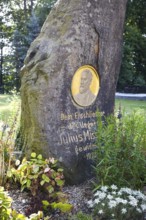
(1, 69)
(25, 9)
(76, 33)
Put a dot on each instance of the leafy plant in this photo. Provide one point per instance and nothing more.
(5, 204)
(6, 212)
(121, 152)
(118, 204)
(42, 175)
(37, 172)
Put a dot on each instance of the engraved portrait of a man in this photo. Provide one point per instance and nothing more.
(85, 97)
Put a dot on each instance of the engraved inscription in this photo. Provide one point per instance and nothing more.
(77, 138)
(78, 131)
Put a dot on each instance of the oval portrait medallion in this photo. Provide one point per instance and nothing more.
(85, 86)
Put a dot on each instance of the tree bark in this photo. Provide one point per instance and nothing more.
(76, 33)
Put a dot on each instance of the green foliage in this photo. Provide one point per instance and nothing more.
(63, 207)
(6, 212)
(43, 8)
(42, 175)
(8, 134)
(5, 205)
(121, 152)
(37, 172)
(20, 23)
(134, 49)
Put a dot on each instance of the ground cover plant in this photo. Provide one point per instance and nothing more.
(111, 202)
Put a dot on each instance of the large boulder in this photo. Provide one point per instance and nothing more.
(78, 39)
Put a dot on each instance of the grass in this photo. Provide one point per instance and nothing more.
(130, 105)
(8, 107)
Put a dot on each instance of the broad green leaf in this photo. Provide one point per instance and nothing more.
(28, 183)
(50, 189)
(35, 168)
(46, 178)
(33, 154)
(60, 170)
(45, 202)
(64, 207)
(42, 182)
(40, 157)
(59, 182)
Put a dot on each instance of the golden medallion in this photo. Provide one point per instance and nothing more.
(85, 85)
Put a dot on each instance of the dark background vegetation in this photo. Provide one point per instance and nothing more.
(21, 21)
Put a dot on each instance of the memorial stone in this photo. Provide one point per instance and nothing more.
(68, 74)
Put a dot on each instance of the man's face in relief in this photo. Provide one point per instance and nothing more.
(86, 78)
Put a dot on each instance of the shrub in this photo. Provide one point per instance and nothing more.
(42, 176)
(121, 151)
(118, 204)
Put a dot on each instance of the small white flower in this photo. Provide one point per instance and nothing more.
(119, 193)
(112, 204)
(110, 197)
(90, 203)
(123, 211)
(131, 197)
(96, 201)
(126, 190)
(103, 204)
(100, 211)
(124, 201)
(101, 195)
(143, 207)
(114, 193)
(104, 188)
(139, 195)
(119, 200)
(139, 210)
(114, 187)
(133, 202)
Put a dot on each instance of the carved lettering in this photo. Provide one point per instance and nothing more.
(77, 116)
(89, 135)
(76, 125)
(85, 149)
(68, 139)
(89, 114)
(66, 117)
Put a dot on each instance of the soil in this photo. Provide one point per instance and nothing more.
(77, 195)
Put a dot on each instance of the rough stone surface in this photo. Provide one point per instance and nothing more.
(76, 33)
